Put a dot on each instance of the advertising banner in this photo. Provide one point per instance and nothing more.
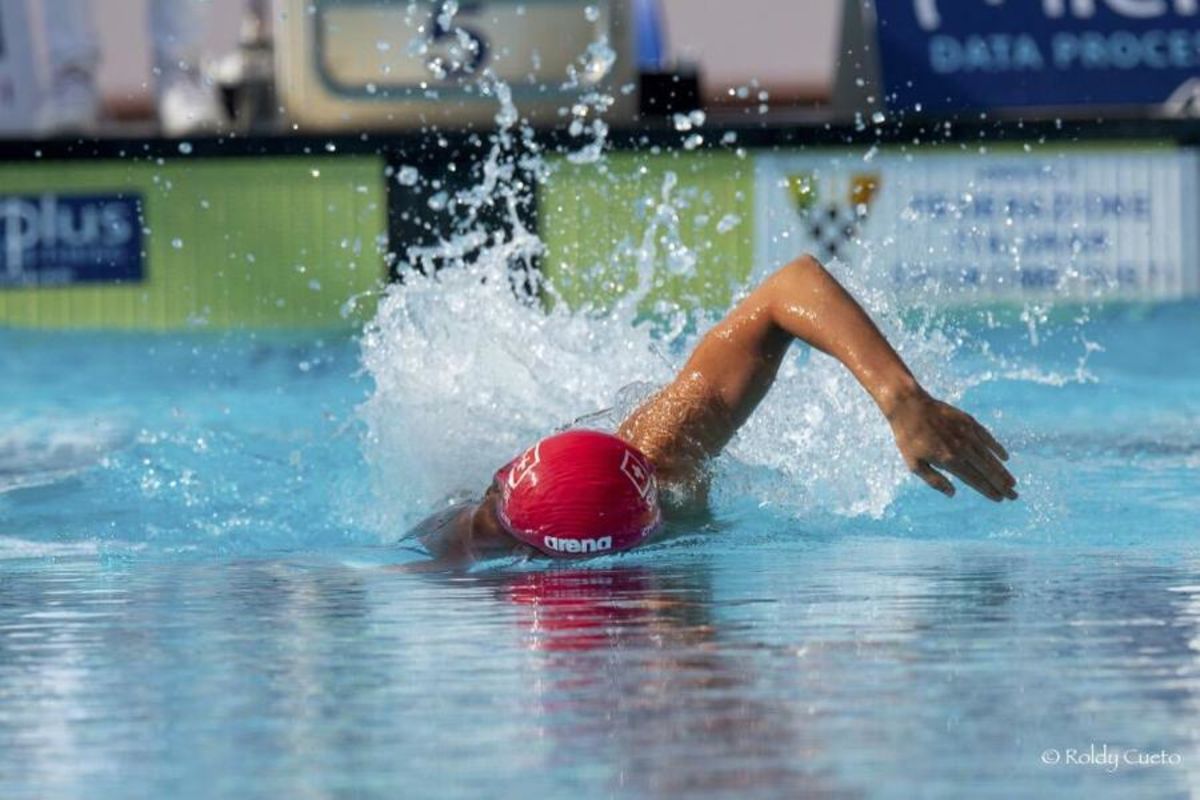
(961, 227)
(944, 55)
(173, 243)
(65, 239)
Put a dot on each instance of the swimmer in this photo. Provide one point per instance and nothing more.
(584, 493)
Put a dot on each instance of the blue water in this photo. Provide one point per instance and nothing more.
(195, 598)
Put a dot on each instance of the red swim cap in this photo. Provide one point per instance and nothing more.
(579, 493)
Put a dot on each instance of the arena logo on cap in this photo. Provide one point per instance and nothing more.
(636, 471)
(524, 465)
(561, 544)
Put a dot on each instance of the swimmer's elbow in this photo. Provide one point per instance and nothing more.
(806, 267)
(797, 279)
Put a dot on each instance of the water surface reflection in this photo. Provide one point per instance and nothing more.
(856, 667)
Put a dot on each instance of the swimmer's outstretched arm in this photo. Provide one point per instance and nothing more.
(735, 364)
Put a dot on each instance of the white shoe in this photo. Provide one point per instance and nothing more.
(72, 106)
(186, 106)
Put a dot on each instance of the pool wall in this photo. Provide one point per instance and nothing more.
(595, 225)
(159, 243)
(285, 231)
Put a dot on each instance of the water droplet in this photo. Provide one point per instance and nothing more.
(728, 223)
(591, 13)
(177, 243)
(185, 148)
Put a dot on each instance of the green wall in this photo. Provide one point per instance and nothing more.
(590, 220)
(262, 242)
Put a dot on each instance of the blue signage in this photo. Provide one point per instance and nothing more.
(55, 239)
(943, 55)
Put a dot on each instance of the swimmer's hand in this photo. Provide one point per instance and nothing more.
(933, 435)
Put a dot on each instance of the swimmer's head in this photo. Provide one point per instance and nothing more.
(579, 493)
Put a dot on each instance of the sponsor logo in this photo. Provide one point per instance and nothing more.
(563, 545)
(61, 239)
(930, 18)
(637, 472)
(524, 465)
(983, 54)
(834, 222)
(1005, 226)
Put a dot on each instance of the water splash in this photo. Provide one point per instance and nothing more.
(468, 363)
(468, 371)
(817, 442)
(45, 449)
(474, 360)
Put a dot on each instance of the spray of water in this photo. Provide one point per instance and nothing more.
(467, 371)
(468, 366)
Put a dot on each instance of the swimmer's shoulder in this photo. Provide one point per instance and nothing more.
(449, 508)
(678, 429)
(447, 528)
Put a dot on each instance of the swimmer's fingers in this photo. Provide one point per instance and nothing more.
(933, 435)
(931, 476)
(974, 459)
(966, 472)
(989, 440)
(990, 468)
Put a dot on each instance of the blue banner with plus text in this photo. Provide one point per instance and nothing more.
(61, 239)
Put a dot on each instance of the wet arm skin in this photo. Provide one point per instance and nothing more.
(734, 365)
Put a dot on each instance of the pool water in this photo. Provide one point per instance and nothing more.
(196, 595)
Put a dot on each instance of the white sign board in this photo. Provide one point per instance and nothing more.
(18, 74)
(354, 63)
(1084, 223)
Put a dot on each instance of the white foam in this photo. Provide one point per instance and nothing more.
(12, 547)
(46, 449)
(467, 372)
